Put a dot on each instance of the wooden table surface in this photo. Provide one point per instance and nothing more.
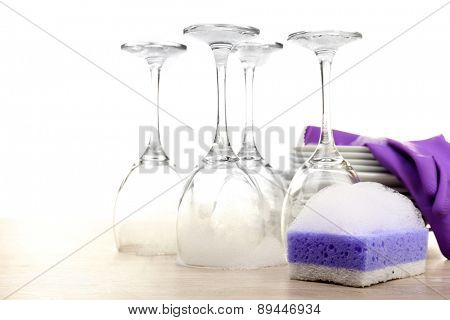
(31, 250)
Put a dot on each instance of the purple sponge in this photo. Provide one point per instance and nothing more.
(357, 260)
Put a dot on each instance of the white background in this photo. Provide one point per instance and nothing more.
(69, 132)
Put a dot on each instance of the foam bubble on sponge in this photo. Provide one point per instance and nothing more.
(358, 209)
(357, 235)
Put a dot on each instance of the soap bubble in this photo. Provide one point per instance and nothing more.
(228, 229)
(358, 209)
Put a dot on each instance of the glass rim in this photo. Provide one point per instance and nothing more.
(333, 33)
(153, 44)
(221, 26)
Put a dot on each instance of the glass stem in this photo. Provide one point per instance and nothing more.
(221, 149)
(154, 150)
(326, 147)
(248, 150)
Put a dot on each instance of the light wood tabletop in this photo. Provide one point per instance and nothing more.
(60, 260)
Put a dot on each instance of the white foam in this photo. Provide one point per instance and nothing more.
(152, 229)
(232, 232)
(362, 208)
(269, 252)
(154, 235)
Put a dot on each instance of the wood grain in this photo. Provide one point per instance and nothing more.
(27, 248)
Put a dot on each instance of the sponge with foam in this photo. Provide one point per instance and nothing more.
(357, 235)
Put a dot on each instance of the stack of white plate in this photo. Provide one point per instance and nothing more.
(361, 159)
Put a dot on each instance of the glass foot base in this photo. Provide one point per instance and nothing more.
(329, 40)
(221, 34)
(154, 51)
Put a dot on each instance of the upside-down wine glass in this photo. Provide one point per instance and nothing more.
(252, 55)
(326, 166)
(145, 210)
(222, 219)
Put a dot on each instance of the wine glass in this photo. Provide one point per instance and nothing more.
(222, 218)
(252, 55)
(145, 210)
(326, 166)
